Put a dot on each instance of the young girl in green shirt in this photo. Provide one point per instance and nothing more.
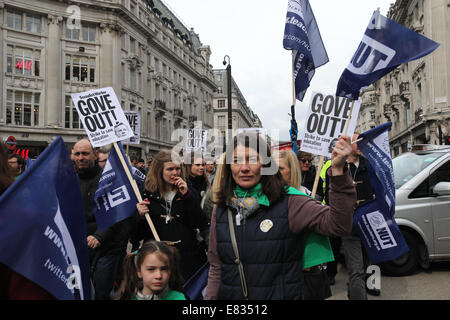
(152, 273)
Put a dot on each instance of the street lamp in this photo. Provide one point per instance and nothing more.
(230, 120)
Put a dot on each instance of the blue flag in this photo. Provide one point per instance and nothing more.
(374, 221)
(385, 45)
(293, 132)
(29, 162)
(302, 36)
(115, 199)
(42, 226)
(196, 284)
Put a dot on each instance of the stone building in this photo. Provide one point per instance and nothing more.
(416, 95)
(242, 114)
(51, 49)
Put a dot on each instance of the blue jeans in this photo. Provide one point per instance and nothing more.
(104, 276)
(354, 260)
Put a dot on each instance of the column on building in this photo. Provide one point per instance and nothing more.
(53, 99)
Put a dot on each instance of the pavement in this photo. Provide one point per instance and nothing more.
(433, 284)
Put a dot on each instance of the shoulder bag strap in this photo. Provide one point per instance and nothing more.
(236, 252)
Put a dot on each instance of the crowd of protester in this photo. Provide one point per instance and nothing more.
(225, 212)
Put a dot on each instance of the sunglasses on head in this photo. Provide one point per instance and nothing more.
(306, 160)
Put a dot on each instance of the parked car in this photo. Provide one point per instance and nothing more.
(422, 207)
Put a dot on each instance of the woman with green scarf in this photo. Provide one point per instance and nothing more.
(257, 225)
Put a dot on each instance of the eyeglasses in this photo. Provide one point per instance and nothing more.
(306, 160)
(12, 162)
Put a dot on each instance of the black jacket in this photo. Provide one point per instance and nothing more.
(275, 271)
(113, 240)
(185, 217)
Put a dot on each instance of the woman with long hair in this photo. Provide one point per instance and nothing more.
(175, 212)
(258, 221)
(196, 175)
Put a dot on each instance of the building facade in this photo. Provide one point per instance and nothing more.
(51, 49)
(242, 114)
(415, 96)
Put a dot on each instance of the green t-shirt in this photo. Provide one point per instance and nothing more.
(317, 248)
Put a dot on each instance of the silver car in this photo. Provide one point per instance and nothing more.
(422, 207)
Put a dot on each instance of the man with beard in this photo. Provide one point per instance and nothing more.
(106, 246)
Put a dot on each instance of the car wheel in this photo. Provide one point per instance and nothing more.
(407, 263)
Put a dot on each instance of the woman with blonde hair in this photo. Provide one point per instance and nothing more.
(290, 169)
(317, 248)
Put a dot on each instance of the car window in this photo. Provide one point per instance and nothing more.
(408, 165)
(425, 189)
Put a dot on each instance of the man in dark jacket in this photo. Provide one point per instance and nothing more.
(106, 246)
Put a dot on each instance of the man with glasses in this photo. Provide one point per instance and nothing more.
(305, 160)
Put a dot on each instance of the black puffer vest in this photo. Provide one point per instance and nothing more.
(271, 255)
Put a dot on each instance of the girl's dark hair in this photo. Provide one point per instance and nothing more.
(272, 185)
(133, 261)
(6, 177)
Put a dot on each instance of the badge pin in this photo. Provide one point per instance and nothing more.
(266, 225)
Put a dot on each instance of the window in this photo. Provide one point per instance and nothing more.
(220, 90)
(80, 69)
(14, 19)
(33, 23)
(220, 121)
(372, 115)
(87, 33)
(122, 75)
(26, 108)
(123, 42)
(221, 103)
(132, 79)
(425, 189)
(71, 118)
(23, 61)
(219, 77)
(132, 45)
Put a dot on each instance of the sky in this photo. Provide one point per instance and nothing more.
(251, 32)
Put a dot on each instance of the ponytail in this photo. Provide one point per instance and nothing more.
(131, 282)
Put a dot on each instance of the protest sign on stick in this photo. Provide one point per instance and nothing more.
(102, 116)
(105, 122)
(328, 117)
(134, 120)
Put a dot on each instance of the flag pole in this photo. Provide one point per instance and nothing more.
(294, 100)
(136, 189)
